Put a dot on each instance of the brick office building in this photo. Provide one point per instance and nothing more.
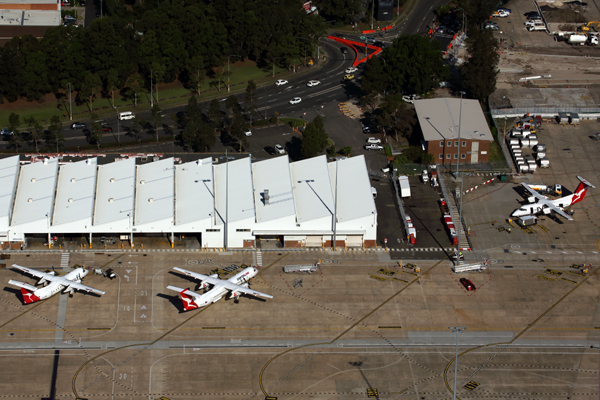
(439, 120)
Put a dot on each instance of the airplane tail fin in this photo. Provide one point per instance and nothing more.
(581, 190)
(186, 296)
(27, 290)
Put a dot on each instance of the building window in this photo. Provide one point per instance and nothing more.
(448, 156)
(449, 144)
(242, 230)
(442, 143)
(441, 156)
(456, 156)
(456, 143)
(464, 144)
(213, 230)
(463, 156)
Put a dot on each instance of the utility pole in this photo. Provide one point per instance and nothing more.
(70, 103)
(372, 13)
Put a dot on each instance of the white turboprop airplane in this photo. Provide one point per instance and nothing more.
(236, 285)
(543, 205)
(70, 282)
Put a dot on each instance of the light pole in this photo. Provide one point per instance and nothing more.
(228, 61)
(70, 106)
(461, 182)
(372, 13)
(463, 20)
(335, 206)
(457, 330)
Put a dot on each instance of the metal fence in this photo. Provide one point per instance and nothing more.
(512, 112)
(399, 201)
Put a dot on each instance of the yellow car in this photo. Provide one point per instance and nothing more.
(348, 77)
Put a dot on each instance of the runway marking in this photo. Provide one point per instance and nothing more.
(525, 330)
(351, 327)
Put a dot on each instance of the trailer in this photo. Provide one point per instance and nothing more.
(306, 268)
(434, 178)
(544, 163)
(528, 220)
(451, 229)
(404, 186)
(425, 176)
(474, 267)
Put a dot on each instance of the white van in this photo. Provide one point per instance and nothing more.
(126, 115)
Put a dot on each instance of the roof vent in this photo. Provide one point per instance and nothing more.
(112, 180)
(266, 196)
(73, 180)
(142, 182)
(71, 200)
(29, 200)
(32, 180)
(150, 200)
(111, 200)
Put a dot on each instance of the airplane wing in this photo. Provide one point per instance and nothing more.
(185, 291)
(200, 277)
(546, 203)
(242, 289)
(37, 274)
(84, 288)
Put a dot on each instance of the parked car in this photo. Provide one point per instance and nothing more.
(366, 129)
(295, 100)
(6, 132)
(248, 132)
(506, 10)
(270, 150)
(411, 98)
(344, 50)
(468, 284)
(492, 27)
(351, 70)
(373, 140)
(107, 129)
(77, 125)
(279, 148)
(348, 77)
(281, 82)
(373, 147)
(530, 13)
(313, 83)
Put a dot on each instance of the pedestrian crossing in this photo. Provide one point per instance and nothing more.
(64, 260)
(259, 258)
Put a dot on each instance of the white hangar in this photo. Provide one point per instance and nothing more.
(234, 204)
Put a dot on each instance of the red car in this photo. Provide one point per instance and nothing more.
(468, 284)
(106, 129)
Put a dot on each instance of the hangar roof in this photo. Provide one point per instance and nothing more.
(239, 195)
(194, 191)
(439, 119)
(9, 171)
(115, 190)
(312, 189)
(155, 192)
(75, 192)
(274, 176)
(35, 192)
(354, 197)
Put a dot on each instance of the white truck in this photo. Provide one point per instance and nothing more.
(404, 186)
(535, 26)
(577, 39)
(425, 176)
(475, 267)
(308, 268)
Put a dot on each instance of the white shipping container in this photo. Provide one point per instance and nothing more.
(404, 186)
(520, 158)
(518, 153)
(540, 147)
(544, 163)
(533, 136)
(513, 141)
(524, 142)
(532, 142)
(540, 154)
(525, 132)
(523, 168)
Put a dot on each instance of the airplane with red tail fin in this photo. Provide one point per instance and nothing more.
(69, 283)
(235, 286)
(540, 204)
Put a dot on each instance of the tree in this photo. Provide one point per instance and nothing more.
(136, 130)
(215, 115)
(238, 126)
(133, 86)
(96, 132)
(35, 131)
(250, 96)
(198, 135)
(91, 84)
(374, 81)
(54, 134)
(112, 79)
(346, 150)
(480, 71)
(14, 121)
(232, 104)
(314, 138)
(413, 64)
(393, 114)
(195, 73)
(158, 74)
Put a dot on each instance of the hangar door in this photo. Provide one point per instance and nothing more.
(354, 240)
(314, 241)
(474, 152)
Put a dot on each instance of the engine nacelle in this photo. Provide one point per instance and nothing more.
(235, 295)
(42, 282)
(531, 199)
(547, 211)
(68, 290)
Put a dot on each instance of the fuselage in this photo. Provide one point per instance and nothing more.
(217, 292)
(61, 282)
(539, 207)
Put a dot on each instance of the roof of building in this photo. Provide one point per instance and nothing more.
(273, 177)
(194, 191)
(155, 192)
(239, 196)
(9, 170)
(439, 119)
(28, 17)
(312, 189)
(354, 197)
(115, 191)
(35, 192)
(75, 192)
